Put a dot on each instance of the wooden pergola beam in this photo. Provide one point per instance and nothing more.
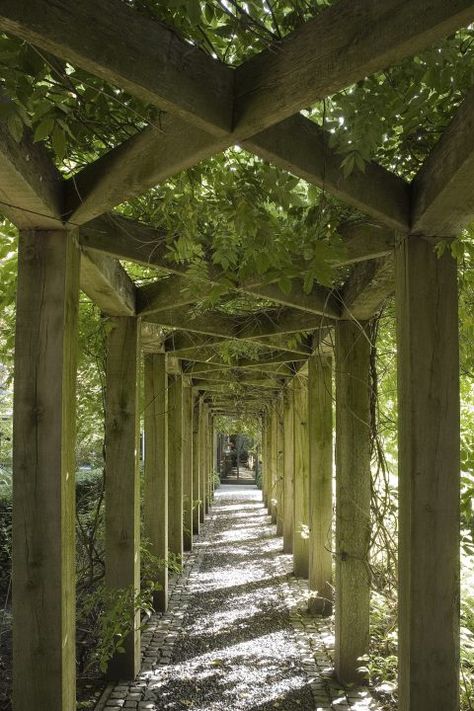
(367, 288)
(340, 46)
(30, 184)
(301, 147)
(443, 199)
(140, 163)
(210, 356)
(152, 62)
(286, 321)
(280, 370)
(222, 387)
(207, 323)
(107, 284)
(222, 376)
(214, 324)
(135, 241)
(31, 197)
(160, 68)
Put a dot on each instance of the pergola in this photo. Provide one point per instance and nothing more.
(70, 238)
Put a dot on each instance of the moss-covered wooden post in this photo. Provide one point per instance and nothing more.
(320, 484)
(202, 464)
(44, 666)
(122, 482)
(428, 416)
(205, 456)
(289, 467)
(197, 495)
(210, 450)
(266, 461)
(301, 479)
(352, 498)
(187, 467)
(273, 448)
(280, 469)
(155, 495)
(175, 464)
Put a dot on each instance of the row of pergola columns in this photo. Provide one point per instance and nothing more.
(178, 481)
(297, 483)
(330, 539)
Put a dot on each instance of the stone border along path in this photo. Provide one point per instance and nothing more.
(236, 636)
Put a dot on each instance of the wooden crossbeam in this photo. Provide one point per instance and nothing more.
(135, 241)
(173, 292)
(208, 324)
(282, 322)
(281, 370)
(299, 146)
(31, 197)
(154, 155)
(129, 239)
(367, 288)
(238, 375)
(141, 162)
(148, 59)
(343, 44)
(443, 198)
(223, 386)
(210, 355)
(214, 324)
(107, 284)
(160, 68)
(30, 185)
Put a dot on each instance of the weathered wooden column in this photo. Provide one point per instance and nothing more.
(428, 416)
(175, 464)
(197, 496)
(202, 465)
(289, 467)
(301, 479)
(273, 448)
(205, 458)
(188, 494)
(210, 450)
(352, 498)
(320, 484)
(266, 482)
(280, 469)
(122, 481)
(155, 504)
(44, 665)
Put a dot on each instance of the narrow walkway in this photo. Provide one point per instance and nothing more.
(236, 636)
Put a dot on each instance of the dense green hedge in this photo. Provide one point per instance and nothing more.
(88, 486)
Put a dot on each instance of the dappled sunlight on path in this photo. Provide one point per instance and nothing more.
(236, 635)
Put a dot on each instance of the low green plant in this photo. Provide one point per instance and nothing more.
(104, 615)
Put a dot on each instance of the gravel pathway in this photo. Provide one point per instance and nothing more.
(237, 636)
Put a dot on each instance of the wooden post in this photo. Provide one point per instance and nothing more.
(122, 481)
(352, 499)
(44, 667)
(289, 467)
(280, 470)
(188, 467)
(210, 460)
(301, 480)
(205, 457)
(428, 416)
(320, 484)
(155, 504)
(273, 449)
(266, 461)
(197, 496)
(175, 464)
(202, 464)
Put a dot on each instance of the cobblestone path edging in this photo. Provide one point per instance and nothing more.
(237, 634)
